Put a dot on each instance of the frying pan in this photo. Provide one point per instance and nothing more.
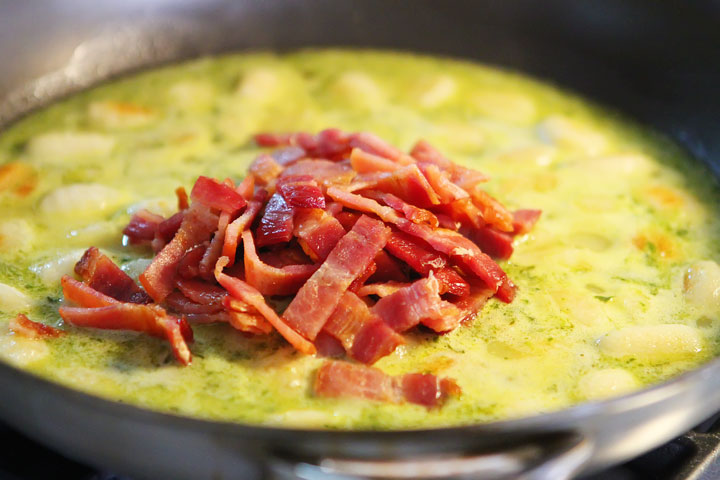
(657, 61)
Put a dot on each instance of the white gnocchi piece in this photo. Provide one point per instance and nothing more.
(259, 85)
(622, 164)
(191, 96)
(13, 300)
(652, 343)
(565, 132)
(111, 114)
(160, 206)
(78, 197)
(56, 148)
(608, 382)
(50, 272)
(509, 107)
(16, 235)
(93, 234)
(359, 90)
(701, 286)
(22, 351)
(436, 91)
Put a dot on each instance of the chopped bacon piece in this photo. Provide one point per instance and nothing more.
(301, 191)
(411, 212)
(101, 274)
(288, 156)
(342, 379)
(142, 227)
(202, 292)
(425, 153)
(214, 250)
(525, 220)
(464, 212)
(318, 232)
(276, 224)
(182, 198)
(493, 211)
(179, 303)
(25, 327)
(189, 266)
(428, 390)
(84, 295)
(387, 269)
(493, 242)
(270, 280)
(245, 318)
(265, 169)
(328, 346)
(273, 139)
(371, 143)
(219, 196)
(235, 229)
(317, 298)
(423, 259)
(364, 336)
(324, 171)
(328, 143)
(167, 230)
(441, 183)
(242, 291)
(150, 319)
(381, 289)
(464, 178)
(347, 219)
(197, 226)
(246, 188)
(364, 162)
(360, 281)
(418, 303)
(408, 183)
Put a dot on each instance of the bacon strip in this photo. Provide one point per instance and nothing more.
(364, 336)
(318, 232)
(276, 224)
(342, 379)
(84, 295)
(408, 183)
(270, 280)
(233, 231)
(101, 274)
(143, 227)
(159, 277)
(301, 191)
(524, 221)
(324, 171)
(242, 291)
(418, 303)
(319, 296)
(150, 319)
(217, 195)
(25, 327)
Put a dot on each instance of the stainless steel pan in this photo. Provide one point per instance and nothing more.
(658, 61)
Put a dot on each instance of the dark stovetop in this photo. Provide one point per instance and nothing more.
(693, 456)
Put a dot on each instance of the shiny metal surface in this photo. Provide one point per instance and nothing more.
(613, 52)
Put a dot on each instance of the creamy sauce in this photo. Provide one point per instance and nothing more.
(618, 285)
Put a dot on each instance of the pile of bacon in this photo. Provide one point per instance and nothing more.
(369, 242)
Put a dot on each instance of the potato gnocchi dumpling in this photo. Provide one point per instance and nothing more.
(618, 284)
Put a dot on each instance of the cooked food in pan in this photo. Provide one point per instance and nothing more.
(371, 240)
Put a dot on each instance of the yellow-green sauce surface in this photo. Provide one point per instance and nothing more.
(617, 284)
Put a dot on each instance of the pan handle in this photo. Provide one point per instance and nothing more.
(558, 459)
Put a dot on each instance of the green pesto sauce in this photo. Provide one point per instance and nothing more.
(625, 214)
